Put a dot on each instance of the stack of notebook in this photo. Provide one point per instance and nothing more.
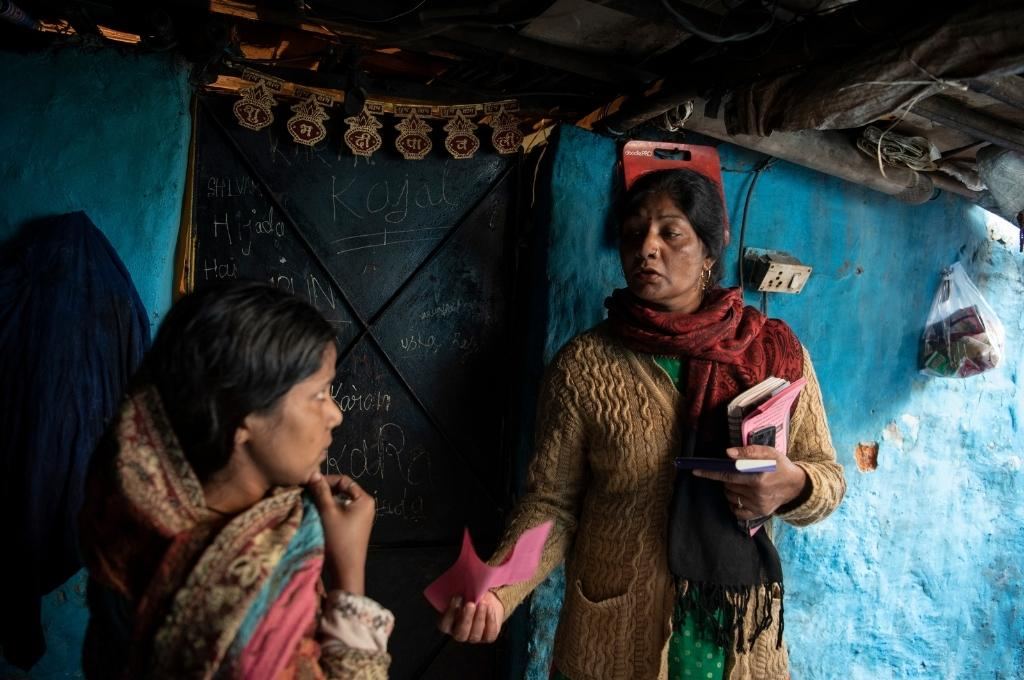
(760, 415)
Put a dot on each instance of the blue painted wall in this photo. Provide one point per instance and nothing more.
(105, 133)
(917, 574)
(108, 134)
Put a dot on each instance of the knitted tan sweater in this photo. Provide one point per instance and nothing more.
(606, 437)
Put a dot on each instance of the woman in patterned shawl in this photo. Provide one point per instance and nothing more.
(207, 525)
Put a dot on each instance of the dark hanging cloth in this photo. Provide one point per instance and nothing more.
(72, 331)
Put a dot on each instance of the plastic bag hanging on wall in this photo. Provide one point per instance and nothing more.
(963, 335)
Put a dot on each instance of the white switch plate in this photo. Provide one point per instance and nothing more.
(785, 278)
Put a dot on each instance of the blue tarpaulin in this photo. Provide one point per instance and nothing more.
(72, 332)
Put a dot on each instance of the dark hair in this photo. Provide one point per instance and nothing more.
(225, 351)
(696, 195)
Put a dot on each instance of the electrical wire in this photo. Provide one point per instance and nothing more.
(765, 164)
(281, 60)
(449, 22)
(691, 27)
(309, 11)
(818, 11)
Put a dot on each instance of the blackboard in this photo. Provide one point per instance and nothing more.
(410, 262)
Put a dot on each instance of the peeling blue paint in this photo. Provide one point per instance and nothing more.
(915, 576)
(108, 134)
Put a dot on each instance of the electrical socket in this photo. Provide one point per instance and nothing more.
(783, 277)
(774, 271)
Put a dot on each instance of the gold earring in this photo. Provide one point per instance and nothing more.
(705, 281)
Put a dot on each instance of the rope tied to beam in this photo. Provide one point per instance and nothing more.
(916, 153)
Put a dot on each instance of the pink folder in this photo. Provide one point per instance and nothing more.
(774, 413)
(471, 578)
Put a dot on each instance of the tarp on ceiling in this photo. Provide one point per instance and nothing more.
(980, 39)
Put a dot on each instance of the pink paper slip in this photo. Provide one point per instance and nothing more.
(471, 578)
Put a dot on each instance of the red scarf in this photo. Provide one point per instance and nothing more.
(725, 348)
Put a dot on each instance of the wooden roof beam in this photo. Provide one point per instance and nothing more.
(949, 112)
(1007, 89)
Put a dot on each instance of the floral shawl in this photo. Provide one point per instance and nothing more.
(177, 590)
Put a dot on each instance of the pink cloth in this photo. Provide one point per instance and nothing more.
(288, 619)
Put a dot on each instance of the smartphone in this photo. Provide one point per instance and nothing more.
(764, 437)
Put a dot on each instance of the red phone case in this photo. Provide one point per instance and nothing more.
(640, 158)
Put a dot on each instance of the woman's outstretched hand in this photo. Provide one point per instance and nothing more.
(473, 622)
(346, 512)
(759, 494)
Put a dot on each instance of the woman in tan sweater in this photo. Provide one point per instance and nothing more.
(662, 578)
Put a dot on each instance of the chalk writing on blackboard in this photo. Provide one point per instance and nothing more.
(417, 343)
(387, 457)
(390, 197)
(351, 398)
(446, 309)
(255, 224)
(318, 294)
(214, 270)
(377, 239)
(231, 187)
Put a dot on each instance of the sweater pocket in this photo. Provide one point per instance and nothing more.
(594, 636)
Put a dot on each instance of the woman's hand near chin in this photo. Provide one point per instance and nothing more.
(346, 512)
